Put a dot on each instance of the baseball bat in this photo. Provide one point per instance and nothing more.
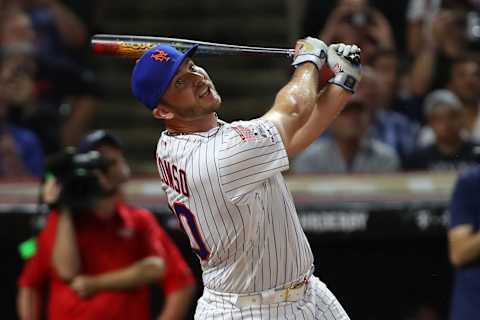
(130, 46)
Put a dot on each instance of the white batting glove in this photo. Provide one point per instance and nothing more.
(344, 61)
(313, 50)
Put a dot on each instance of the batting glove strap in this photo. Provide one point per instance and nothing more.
(308, 58)
(313, 50)
(345, 81)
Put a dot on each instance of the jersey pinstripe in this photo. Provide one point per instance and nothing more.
(226, 187)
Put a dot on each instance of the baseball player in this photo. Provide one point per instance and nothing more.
(224, 183)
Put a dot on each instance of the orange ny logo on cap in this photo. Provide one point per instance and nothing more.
(160, 55)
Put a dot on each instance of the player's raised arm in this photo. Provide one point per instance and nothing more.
(300, 122)
(296, 100)
(343, 60)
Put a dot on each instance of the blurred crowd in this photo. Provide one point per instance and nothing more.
(48, 93)
(417, 104)
(416, 108)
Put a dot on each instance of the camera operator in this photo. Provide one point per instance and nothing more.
(98, 254)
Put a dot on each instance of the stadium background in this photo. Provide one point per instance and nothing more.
(379, 240)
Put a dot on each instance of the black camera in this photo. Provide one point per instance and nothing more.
(77, 175)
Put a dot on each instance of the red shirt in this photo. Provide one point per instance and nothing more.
(132, 234)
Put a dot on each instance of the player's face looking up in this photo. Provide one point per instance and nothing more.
(191, 92)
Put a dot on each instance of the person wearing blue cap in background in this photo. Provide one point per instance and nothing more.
(223, 180)
(98, 263)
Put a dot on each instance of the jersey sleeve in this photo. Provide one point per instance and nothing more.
(251, 153)
(465, 204)
(35, 271)
(177, 273)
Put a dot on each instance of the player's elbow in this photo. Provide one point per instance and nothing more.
(297, 97)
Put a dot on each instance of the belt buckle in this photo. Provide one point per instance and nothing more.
(299, 284)
(286, 294)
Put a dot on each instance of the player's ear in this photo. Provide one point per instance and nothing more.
(161, 112)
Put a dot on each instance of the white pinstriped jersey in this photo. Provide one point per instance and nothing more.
(226, 188)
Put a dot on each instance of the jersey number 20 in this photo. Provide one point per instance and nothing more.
(190, 226)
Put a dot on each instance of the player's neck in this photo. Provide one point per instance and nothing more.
(185, 126)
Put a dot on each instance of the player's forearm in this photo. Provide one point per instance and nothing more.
(465, 252)
(65, 257)
(329, 105)
(28, 304)
(298, 97)
(177, 304)
(138, 274)
(295, 102)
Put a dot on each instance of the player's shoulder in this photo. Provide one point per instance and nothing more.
(253, 123)
(162, 139)
(248, 130)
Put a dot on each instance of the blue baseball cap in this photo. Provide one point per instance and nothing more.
(154, 71)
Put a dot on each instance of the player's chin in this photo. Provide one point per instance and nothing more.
(212, 102)
(217, 98)
(217, 102)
